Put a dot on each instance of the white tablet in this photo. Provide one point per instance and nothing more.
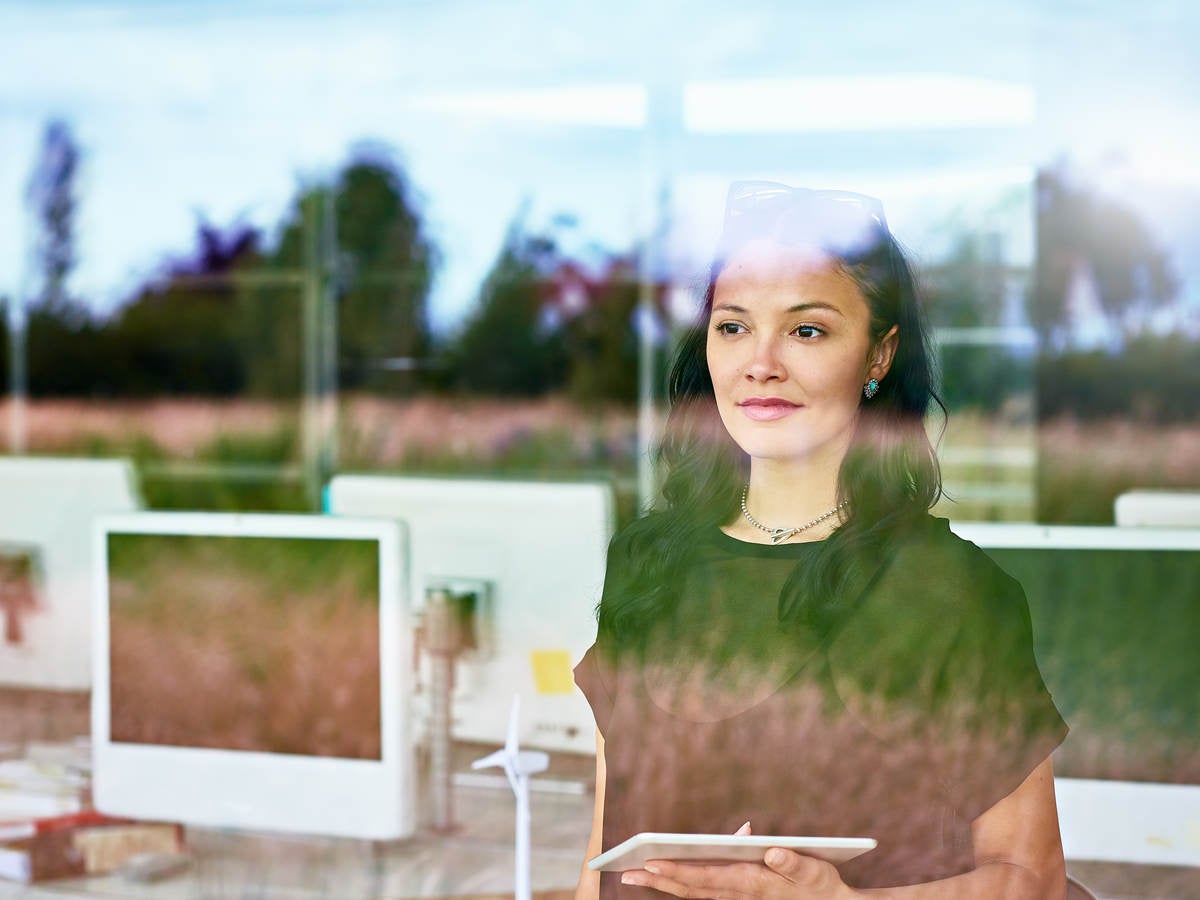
(722, 848)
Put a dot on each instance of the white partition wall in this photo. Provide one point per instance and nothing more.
(46, 546)
(537, 550)
(1158, 509)
(1127, 821)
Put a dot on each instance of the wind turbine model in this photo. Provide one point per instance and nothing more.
(518, 766)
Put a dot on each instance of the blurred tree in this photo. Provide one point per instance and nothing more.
(180, 334)
(58, 328)
(1081, 233)
(384, 271)
(270, 316)
(1155, 379)
(218, 252)
(967, 289)
(65, 348)
(547, 322)
(601, 339)
(384, 315)
(511, 345)
(51, 197)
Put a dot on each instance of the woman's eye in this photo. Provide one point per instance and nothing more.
(808, 331)
(730, 328)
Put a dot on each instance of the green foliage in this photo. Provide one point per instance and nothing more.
(507, 347)
(602, 346)
(383, 315)
(197, 329)
(383, 273)
(967, 290)
(178, 342)
(62, 350)
(276, 447)
(67, 352)
(983, 378)
(1154, 379)
(1070, 491)
(1115, 635)
(228, 494)
(524, 339)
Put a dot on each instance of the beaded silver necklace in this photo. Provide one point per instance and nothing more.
(779, 535)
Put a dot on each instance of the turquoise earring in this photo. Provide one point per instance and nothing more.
(871, 388)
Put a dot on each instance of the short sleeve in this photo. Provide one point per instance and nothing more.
(1013, 723)
(944, 645)
(593, 677)
(595, 673)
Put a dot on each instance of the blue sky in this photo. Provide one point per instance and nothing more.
(222, 109)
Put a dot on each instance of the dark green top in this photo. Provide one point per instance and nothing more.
(922, 710)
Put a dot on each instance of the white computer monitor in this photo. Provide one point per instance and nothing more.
(46, 564)
(1116, 623)
(251, 671)
(538, 549)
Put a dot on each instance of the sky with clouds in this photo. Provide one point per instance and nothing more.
(221, 110)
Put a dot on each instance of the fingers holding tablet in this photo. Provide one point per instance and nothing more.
(722, 849)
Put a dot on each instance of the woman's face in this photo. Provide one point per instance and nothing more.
(789, 350)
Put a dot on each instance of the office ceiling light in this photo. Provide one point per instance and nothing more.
(866, 103)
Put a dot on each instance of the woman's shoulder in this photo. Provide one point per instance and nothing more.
(928, 540)
(930, 559)
(650, 534)
(638, 535)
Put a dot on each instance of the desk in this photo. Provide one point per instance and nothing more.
(476, 859)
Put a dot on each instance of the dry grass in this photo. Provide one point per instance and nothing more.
(388, 433)
(230, 658)
(1083, 467)
(28, 715)
(178, 427)
(1080, 467)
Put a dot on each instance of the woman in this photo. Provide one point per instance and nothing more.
(790, 643)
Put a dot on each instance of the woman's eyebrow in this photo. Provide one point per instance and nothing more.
(815, 304)
(799, 307)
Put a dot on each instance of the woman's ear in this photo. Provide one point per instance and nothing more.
(883, 353)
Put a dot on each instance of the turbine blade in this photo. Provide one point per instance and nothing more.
(499, 758)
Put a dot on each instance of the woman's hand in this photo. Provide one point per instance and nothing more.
(784, 875)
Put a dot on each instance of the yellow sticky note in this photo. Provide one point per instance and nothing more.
(552, 671)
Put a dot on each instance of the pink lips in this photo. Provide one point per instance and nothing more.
(767, 409)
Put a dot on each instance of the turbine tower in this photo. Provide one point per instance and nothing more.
(518, 766)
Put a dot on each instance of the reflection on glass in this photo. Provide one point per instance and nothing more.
(1115, 632)
(260, 644)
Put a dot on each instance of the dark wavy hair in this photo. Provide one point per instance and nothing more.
(890, 476)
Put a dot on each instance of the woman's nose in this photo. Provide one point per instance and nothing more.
(766, 364)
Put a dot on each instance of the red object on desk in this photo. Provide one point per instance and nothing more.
(26, 828)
